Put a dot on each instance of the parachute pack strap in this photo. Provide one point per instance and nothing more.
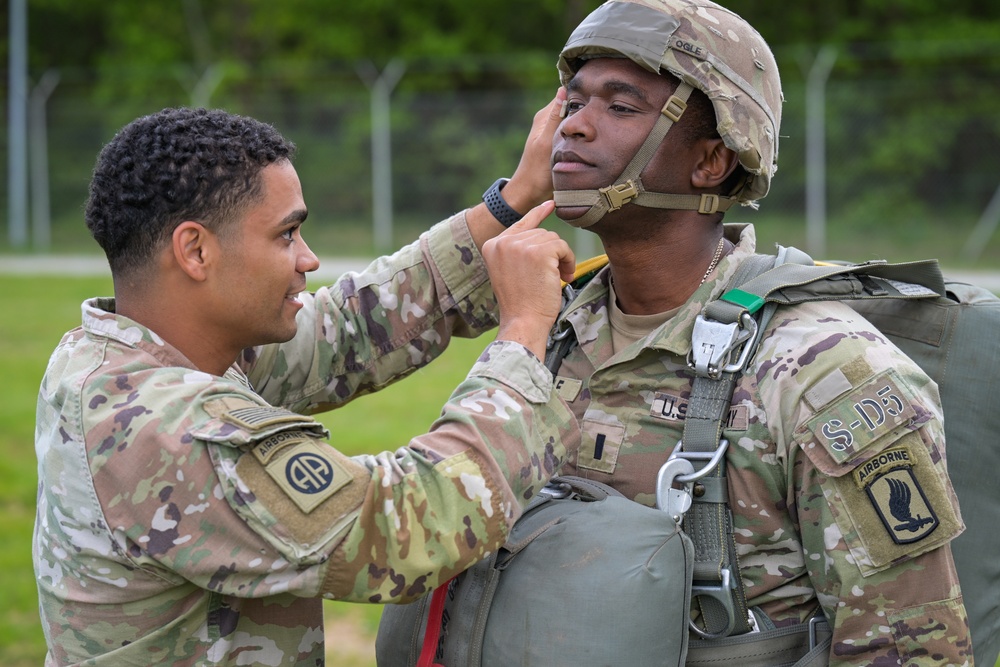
(801, 645)
(718, 589)
(710, 398)
(798, 283)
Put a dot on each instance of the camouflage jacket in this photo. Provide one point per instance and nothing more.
(814, 523)
(185, 518)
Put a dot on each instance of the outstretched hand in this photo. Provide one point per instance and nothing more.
(526, 266)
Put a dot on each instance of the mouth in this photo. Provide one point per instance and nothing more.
(568, 162)
(293, 295)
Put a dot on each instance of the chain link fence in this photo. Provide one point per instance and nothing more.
(910, 156)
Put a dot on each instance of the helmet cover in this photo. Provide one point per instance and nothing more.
(709, 47)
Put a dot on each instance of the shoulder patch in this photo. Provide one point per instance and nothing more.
(895, 504)
(309, 490)
(307, 473)
(862, 416)
(896, 495)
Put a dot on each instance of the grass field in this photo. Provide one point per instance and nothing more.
(36, 312)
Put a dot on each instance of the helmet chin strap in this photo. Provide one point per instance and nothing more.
(628, 187)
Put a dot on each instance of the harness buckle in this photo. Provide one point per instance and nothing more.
(675, 502)
(722, 594)
(817, 624)
(679, 469)
(620, 194)
(714, 343)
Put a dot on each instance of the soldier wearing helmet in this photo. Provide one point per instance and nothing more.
(672, 117)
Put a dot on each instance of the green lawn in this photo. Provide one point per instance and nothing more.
(36, 312)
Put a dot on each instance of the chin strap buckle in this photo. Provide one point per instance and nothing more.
(620, 194)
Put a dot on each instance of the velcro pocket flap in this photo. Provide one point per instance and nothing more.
(236, 421)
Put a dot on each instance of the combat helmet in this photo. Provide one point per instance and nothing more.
(707, 47)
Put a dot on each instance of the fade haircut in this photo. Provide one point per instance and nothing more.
(176, 165)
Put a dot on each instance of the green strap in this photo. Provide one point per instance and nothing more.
(797, 283)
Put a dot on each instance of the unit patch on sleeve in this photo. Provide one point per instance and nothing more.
(301, 490)
(306, 473)
(896, 495)
(896, 503)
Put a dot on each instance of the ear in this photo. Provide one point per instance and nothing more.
(193, 248)
(715, 165)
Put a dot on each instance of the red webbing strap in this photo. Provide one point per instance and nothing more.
(433, 631)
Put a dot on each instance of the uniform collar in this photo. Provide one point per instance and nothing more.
(101, 321)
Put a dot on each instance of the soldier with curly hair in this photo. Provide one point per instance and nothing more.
(190, 511)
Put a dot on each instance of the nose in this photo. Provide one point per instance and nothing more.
(578, 123)
(306, 260)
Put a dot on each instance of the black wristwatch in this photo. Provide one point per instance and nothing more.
(500, 209)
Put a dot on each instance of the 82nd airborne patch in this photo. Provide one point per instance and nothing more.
(896, 495)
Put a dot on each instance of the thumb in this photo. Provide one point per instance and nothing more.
(557, 110)
(533, 218)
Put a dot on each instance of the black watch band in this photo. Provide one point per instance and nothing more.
(500, 209)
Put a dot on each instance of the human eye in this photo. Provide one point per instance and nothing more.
(572, 106)
(289, 234)
(620, 108)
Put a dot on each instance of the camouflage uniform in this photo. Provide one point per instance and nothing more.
(184, 520)
(807, 533)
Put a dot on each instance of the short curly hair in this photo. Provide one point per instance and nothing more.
(171, 166)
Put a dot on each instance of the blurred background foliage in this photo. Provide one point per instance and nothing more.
(912, 130)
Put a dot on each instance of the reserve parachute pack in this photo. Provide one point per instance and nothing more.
(541, 599)
(948, 328)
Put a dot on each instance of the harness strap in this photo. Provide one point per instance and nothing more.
(796, 283)
(718, 589)
(803, 645)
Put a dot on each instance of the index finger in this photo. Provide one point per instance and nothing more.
(533, 218)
